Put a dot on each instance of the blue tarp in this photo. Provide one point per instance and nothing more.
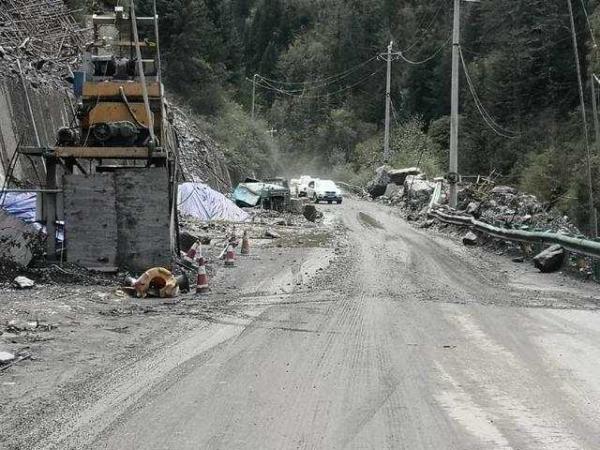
(204, 203)
(22, 205)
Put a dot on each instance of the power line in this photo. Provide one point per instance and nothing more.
(323, 81)
(440, 6)
(426, 60)
(291, 94)
(494, 126)
(589, 24)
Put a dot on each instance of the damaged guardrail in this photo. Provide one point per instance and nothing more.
(574, 244)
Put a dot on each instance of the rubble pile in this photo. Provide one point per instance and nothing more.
(39, 40)
(498, 205)
(505, 206)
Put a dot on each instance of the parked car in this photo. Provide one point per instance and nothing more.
(324, 191)
(303, 185)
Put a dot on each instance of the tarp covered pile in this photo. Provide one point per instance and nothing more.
(20, 205)
(200, 201)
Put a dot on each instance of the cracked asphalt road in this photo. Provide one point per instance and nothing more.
(405, 340)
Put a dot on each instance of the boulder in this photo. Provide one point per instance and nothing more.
(311, 213)
(550, 260)
(470, 239)
(23, 282)
(19, 242)
(398, 176)
(377, 186)
(418, 191)
(392, 190)
(473, 207)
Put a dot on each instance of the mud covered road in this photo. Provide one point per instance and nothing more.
(385, 337)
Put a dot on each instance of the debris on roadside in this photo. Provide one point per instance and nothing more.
(311, 213)
(22, 282)
(155, 282)
(16, 326)
(470, 239)
(272, 234)
(550, 260)
(21, 356)
(6, 357)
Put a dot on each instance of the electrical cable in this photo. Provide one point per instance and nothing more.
(426, 60)
(589, 24)
(323, 81)
(494, 126)
(440, 6)
(284, 92)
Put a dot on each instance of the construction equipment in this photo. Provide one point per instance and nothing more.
(121, 127)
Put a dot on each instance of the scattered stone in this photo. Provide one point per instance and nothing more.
(550, 260)
(6, 357)
(282, 222)
(272, 234)
(24, 282)
(428, 223)
(518, 259)
(473, 207)
(470, 239)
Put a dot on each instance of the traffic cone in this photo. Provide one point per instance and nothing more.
(202, 277)
(245, 244)
(230, 256)
(193, 251)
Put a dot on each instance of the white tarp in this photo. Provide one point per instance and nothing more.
(200, 201)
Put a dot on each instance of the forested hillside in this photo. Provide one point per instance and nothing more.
(321, 84)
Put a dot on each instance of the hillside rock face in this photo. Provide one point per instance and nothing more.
(201, 158)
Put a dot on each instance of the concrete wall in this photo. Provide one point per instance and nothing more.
(142, 204)
(118, 219)
(91, 221)
(50, 112)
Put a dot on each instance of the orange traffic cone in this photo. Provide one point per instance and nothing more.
(230, 256)
(193, 251)
(202, 277)
(245, 244)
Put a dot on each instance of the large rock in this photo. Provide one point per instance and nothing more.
(384, 175)
(311, 213)
(377, 186)
(19, 242)
(393, 190)
(550, 260)
(470, 239)
(398, 176)
(417, 190)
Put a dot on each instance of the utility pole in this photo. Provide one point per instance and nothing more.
(388, 101)
(593, 224)
(253, 94)
(453, 172)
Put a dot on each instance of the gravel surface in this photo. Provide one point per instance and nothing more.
(380, 336)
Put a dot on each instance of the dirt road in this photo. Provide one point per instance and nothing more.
(404, 340)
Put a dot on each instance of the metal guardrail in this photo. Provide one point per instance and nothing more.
(574, 244)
